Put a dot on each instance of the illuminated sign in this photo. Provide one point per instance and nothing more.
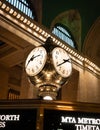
(82, 123)
(14, 119)
(5, 118)
(71, 120)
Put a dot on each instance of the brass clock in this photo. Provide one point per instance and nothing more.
(48, 68)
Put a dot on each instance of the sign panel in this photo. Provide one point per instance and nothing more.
(15, 119)
(71, 120)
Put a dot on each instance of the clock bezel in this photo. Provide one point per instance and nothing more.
(41, 66)
(55, 66)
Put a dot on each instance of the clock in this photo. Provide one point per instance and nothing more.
(35, 61)
(62, 62)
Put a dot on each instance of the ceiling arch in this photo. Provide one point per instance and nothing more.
(72, 20)
(91, 46)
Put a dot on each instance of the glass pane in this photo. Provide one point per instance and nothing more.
(23, 6)
(63, 34)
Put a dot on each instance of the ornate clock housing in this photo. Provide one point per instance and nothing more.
(48, 68)
(62, 62)
(35, 61)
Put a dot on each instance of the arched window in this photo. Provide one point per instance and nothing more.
(63, 33)
(23, 6)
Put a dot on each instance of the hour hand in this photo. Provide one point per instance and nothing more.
(64, 61)
(31, 59)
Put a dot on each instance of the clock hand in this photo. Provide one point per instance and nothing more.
(31, 59)
(34, 57)
(64, 61)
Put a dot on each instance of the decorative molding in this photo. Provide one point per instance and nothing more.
(40, 34)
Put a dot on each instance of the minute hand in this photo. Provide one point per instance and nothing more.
(64, 61)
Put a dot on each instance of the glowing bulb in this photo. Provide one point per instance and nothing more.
(47, 98)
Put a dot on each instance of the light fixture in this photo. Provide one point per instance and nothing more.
(47, 97)
(48, 92)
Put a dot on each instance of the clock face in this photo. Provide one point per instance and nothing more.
(62, 62)
(35, 61)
